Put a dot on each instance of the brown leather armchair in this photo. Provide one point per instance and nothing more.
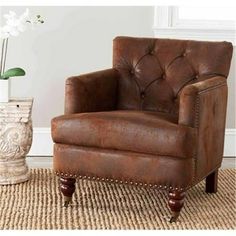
(156, 119)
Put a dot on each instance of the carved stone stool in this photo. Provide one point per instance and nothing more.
(15, 140)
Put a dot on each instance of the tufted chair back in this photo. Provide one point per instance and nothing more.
(153, 72)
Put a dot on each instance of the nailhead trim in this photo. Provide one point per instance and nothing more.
(118, 181)
(196, 125)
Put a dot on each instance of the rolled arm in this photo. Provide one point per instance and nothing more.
(91, 92)
(203, 106)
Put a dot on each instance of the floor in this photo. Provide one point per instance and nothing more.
(46, 162)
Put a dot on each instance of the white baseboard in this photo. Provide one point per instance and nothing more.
(43, 145)
(230, 143)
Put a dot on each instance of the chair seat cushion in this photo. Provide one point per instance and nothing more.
(137, 131)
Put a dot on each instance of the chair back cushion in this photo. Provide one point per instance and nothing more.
(154, 71)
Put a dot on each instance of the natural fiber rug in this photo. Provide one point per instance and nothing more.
(37, 204)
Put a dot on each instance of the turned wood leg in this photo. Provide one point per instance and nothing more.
(67, 186)
(211, 182)
(176, 202)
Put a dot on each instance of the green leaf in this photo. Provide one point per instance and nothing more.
(12, 73)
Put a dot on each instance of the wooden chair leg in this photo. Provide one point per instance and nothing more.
(211, 182)
(176, 202)
(67, 186)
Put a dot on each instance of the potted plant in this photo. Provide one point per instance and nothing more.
(13, 27)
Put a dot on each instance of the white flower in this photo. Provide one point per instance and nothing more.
(25, 15)
(15, 25)
(11, 30)
(10, 15)
(24, 19)
(3, 33)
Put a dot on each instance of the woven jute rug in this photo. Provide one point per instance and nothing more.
(37, 204)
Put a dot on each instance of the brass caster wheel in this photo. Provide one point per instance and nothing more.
(67, 201)
(174, 217)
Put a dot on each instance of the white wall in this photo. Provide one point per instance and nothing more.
(72, 41)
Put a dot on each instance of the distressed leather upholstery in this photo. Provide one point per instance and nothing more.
(152, 132)
(156, 118)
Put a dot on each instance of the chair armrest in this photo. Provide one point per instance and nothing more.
(192, 96)
(91, 92)
(203, 106)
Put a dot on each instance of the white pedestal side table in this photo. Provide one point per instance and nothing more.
(15, 140)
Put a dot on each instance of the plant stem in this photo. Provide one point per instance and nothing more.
(5, 56)
(2, 53)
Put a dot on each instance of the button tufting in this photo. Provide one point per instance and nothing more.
(142, 95)
(151, 52)
(163, 76)
(132, 72)
(184, 54)
(197, 76)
